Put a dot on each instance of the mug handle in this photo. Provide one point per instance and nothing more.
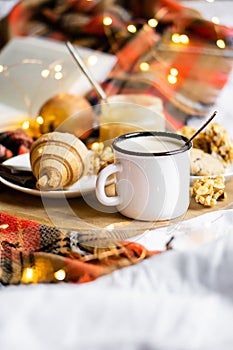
(101, 183)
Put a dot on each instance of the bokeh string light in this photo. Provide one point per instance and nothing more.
(172, 38)
(149, 66)
(153, 66)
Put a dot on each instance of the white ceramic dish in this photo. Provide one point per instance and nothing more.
(227, 175)
(85, 185)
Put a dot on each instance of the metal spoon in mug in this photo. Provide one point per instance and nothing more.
(201, 128)
(87, 73)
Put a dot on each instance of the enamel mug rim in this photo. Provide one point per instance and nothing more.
(116, 143)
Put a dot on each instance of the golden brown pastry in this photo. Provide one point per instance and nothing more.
(57, 160)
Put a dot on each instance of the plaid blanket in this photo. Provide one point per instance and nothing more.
(35, 253)
(146, 54)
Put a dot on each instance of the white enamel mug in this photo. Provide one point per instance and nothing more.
(152, 174)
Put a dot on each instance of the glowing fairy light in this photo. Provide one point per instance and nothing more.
(221, 43)
(176, 38)
(174, 72)
(28, 272)
(110, 227)
(60, 275)
(215, 20)
(1, 68)
(184, 39)
(152, 22)
(97, 146)
(92, 60)
(58, 68)
(45, 73)
(144, 67)
(39, 120)
(28, 275)
(26, 125)
(107, 21)
(172, 79)
(58, 75)
(4, 226)
(180, 38)
(32, 126)
(131, 28)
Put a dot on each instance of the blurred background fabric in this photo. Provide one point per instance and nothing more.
(163, 47)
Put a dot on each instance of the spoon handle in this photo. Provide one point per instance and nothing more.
(87, 73)
(202, 127)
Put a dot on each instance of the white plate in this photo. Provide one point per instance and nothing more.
(227, 175)
(85, 185)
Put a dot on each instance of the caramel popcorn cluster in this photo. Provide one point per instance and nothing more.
(219, 142)
(187, 131)
(214, 139)
(207, 191)
(100, 156)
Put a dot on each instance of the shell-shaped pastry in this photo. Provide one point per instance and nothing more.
(57, 160)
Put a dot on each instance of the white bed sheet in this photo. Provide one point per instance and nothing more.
(177, 300)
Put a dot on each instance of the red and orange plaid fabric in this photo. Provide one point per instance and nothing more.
(35, 253)
(203, 68)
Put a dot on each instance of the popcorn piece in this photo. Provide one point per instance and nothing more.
(202, 143)
(100, 156)
(207, 191)
(215, 139)
(187, 131)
